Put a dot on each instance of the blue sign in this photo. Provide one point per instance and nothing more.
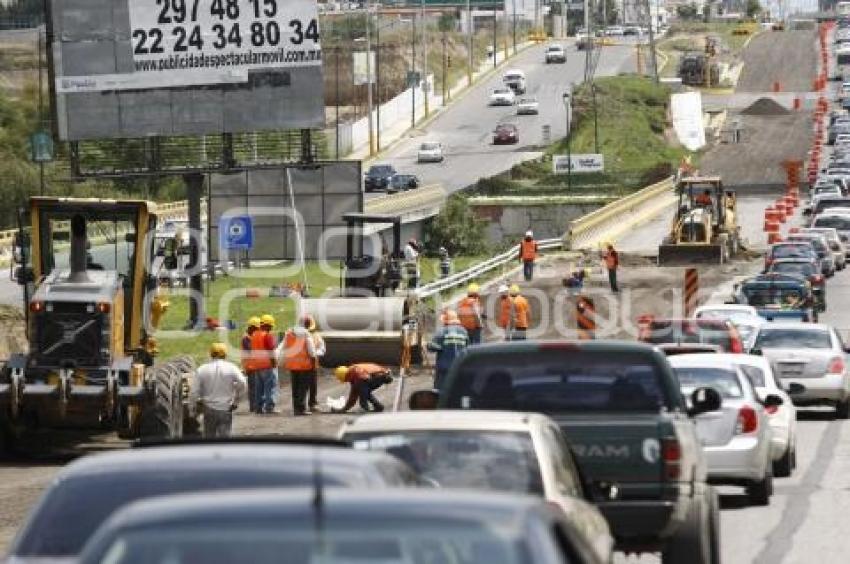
(236, 233)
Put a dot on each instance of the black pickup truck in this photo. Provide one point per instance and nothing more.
(620, 407)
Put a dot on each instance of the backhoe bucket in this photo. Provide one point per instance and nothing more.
(672, 255)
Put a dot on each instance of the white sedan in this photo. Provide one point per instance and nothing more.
(430, 152)
(527, 106)
(498, 451)
(781, 418)
(745, 319)
(502, 97)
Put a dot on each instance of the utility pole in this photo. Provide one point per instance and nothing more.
(589, 32)
(426, 87)
(564, 19)
(369, 78)
(653, 60)
(495, 29)
(413, 81)
(336, 96)
(378, 83)
(470, 34)
(445, 68)
(513, 9)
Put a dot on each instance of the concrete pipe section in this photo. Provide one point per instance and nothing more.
(364, 329)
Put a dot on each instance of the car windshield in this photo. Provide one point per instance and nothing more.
(528, 101)
(773, 296)
(60, 528)
(429, 146)
(501, 91)
(711, 333)
(794, 250)
(380, 169)
(818, 244)
(775, 338)
(724, 380)
(554, 381)
(799, 268)
(754, 374)
(296, 541)
(498, 461)
(835, 221)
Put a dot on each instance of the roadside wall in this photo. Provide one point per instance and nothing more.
(510, 220)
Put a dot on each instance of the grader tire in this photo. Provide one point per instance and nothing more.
(163, 419)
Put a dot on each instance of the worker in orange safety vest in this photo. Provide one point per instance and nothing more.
(248, 365)
(471, 314)
(527, 255)
(513, 313)
(364, 378)
(297, 355)
(262, 355)
(612, 263)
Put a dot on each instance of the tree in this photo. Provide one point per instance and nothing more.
(687, 11)
(457, 229)
(753, 8)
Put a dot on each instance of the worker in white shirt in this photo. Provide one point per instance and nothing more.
(411, 263)
(219, 386)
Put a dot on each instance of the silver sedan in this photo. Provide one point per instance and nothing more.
(737, 438)
(812, 358)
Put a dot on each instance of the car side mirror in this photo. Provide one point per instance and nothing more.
(423, 400)
(772, 400)
(704, 400)
(795, 388)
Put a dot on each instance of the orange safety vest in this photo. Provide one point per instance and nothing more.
(513, 309)
(247, 358)
(521, 310)
(295, 354)
(528, 249)
(261, 356)
(469, 312)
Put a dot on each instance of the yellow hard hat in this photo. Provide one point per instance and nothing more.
(341, 372)
(473, 289)
(254, 322)
(218, 350)
(514, 290)
(267, 320)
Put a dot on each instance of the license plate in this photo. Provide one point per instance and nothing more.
(791, 370)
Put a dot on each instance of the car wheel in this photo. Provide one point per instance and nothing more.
(691, 543)
(783, 467)
(760, 491)
(842, 410)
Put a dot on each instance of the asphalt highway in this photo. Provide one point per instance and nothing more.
(466, 126)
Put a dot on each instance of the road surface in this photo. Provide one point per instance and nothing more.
(466, 127)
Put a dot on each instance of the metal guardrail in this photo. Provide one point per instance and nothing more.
(476, 270)
(584, 231)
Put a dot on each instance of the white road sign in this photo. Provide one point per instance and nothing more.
(591, 162)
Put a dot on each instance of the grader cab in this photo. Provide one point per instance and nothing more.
(91, 302)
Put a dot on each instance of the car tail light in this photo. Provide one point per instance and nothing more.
(736, 345)
(36, 307)
(671, 455)
(817, 279)
(771, 409)
(747, 421)
(836, 366)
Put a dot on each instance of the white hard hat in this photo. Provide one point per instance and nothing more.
(529, 233)
(503, 289)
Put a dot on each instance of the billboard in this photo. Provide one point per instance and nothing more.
(140, 68)
(321, 194)
(591, 162)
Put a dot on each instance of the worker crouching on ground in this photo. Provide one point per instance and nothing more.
(513, 313)
(219, 385)
(527, 255)
(263, 347)
(248, 366)
(364, 379)
(448, 342)
(297, 355)
(471, 314)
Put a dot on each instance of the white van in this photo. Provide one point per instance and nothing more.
(515, 80)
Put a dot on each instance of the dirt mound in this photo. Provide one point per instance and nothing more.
(765, 107)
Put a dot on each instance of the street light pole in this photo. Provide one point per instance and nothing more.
(369, 78)
(426, 87)
(568, 110)
(378, 84)
(513, 9)
(495, 41)
(469, 32)
(413, 80)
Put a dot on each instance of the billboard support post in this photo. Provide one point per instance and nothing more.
(194, 192)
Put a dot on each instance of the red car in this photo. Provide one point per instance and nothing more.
(690, 331)
(505, 133)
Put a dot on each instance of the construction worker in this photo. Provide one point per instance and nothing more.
(527, 255)
(262, 350)
(612, 263)
(469, 312)
(445, 263)
(411, 263)
(513, 313)
(248, 365)
(297, 355)
(219, 386)
(704, 199)
(448, 342)
(364, 378)
(320, 349)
